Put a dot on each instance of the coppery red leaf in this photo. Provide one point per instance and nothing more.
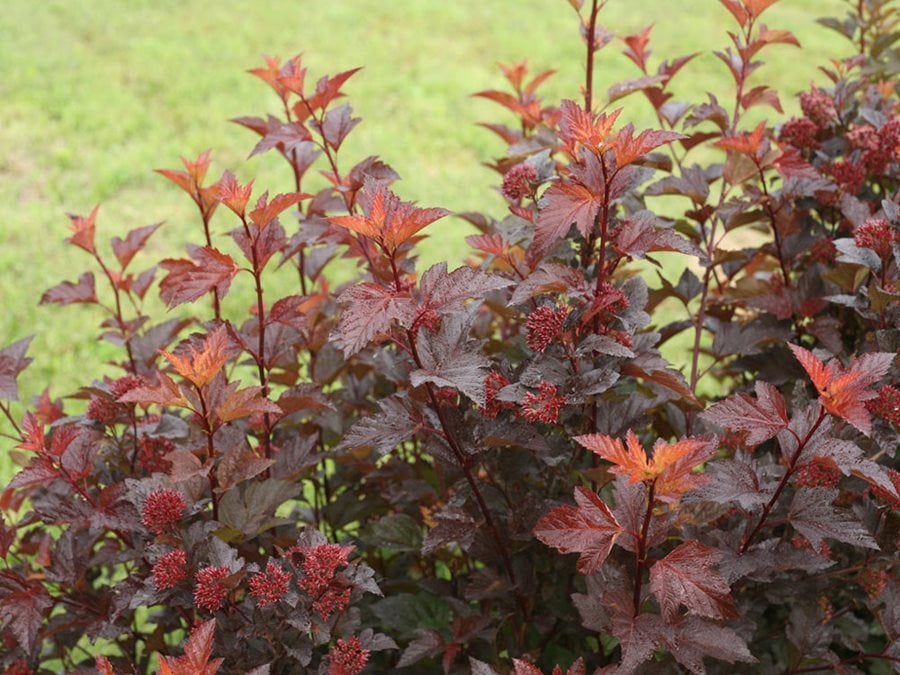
(194, 277)
(686, 577)
(589, 528)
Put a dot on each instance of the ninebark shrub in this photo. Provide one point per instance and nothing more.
(393, 474)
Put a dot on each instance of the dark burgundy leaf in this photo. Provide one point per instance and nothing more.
(303, 397)
(189, 279)
(450, 359)
(733, 481)
(851, 460)
(12, 362)
(68, 292)
(696, 638)
(269, 241)
(125, 249)
(761, 418)
(38, 472)
(814, 515)
(7, 537)
(640, 636)
(445, 293)
(338, 122)
(453, 526)
(686, 577)
(394, 423)
(368, 311)
(643, 232)
(427, 643)
(22, 609)
(626, 87)
(550, 278)
(631, 507)
(237, 464)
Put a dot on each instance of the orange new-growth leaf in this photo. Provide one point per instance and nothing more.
(629, 147)
(278, 77)
(83, 230)
(388, 221)
(636, 47)
(197, 653)
(191, 181)
(746, 144)
(193, 175)
(757, 7)
(267, 211)
(630, 460)
(234, 195)
(201, 367)
(579, 125)
(844, 392)
(671, 466)
(737, 10)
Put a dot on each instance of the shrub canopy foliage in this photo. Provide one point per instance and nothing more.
(395, 472)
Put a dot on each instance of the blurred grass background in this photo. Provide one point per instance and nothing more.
(94, 95)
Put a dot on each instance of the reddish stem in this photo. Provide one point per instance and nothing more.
(591, 50)
(640, 556)
(210, 451)
(792, 464)
(8, 413)
(118, 313)
(260, 357)
(461, 457)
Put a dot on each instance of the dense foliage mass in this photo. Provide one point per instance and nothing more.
(398, 473)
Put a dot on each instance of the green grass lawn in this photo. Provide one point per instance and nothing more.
(97, 94)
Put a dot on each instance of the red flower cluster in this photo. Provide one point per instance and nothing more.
(818, 107)
(873, 582)
(517, 182)
(544, 325)
(823, 251)
(493, 383)
(347, 657)
(335, 599)
(887, 405)
(876, 234)
(170, 569)
(882, 151)
(543, 407)
(820, 472)
(847, 174)
(152, 452)
(321, 581)
(863, 137)
(107, 410)
(162, 510)
(211, 591)
(270, 586)
(799, 132)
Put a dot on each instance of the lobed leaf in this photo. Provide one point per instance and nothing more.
(686, 577)
(761, 418)
(589, 528)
